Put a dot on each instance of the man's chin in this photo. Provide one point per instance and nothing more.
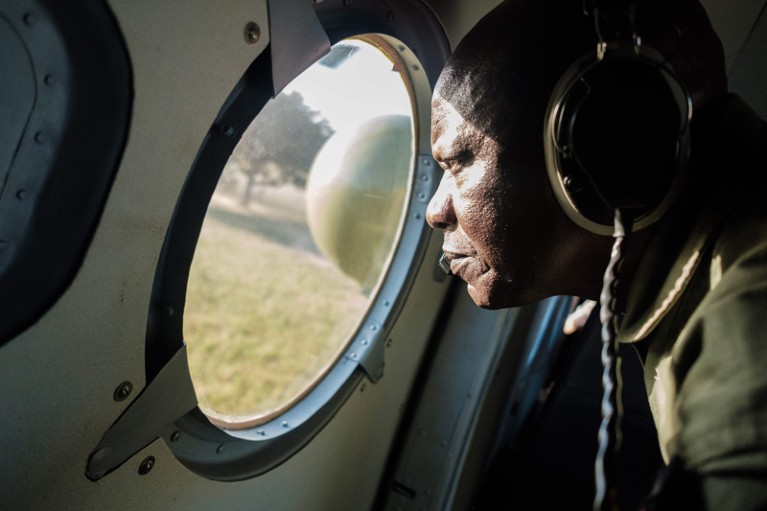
(483, 298)
(490, 292)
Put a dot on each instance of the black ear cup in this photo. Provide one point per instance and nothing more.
(616, 137)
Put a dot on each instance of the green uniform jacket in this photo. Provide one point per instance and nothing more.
(699, 302)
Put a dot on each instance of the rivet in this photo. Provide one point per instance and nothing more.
(227, 130)
(252, 32)
(146, 465)
(285, 424)
(387, 303)
(388, 343)
(39, 137)
(261, 432)
(123, 391)
(415, 67)
(364, 342)
(421, 195)
(401, 48)
(220, 448)
(353, 355)
(374, 327)
(29, 19)
(425, 178)
(573, 184)
(175, 436)
(22, 194)
(418, 216)
(362, 388)
(49, 80)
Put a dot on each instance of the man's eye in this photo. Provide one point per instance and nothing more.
(456, 162)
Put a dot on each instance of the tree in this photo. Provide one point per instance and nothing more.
(280, 144)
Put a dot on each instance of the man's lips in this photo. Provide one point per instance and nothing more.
(456, 259)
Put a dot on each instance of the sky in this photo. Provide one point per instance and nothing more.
(362, 87)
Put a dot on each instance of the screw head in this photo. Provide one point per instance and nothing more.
(146, 465)
(227, 130)
(123, 391)
(175, 436)
(252, 32)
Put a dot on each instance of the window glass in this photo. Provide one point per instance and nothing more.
(298, 234)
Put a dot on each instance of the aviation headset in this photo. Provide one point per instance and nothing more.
(616, 142)
(616, 132)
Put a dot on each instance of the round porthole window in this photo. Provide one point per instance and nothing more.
(298, 234)
(295, 239)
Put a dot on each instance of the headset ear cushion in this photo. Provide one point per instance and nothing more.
(616, 137)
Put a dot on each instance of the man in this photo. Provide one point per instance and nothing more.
(693, 284)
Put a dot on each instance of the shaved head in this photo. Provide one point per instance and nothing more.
(522, 48)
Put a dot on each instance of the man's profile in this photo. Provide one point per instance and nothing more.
(693, 286)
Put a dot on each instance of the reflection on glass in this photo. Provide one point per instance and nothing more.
(298, 234)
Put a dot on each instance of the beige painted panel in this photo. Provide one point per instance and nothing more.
(57, 379)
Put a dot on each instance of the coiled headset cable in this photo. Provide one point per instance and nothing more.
(606, 464)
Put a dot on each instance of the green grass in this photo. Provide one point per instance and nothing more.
(263, 317)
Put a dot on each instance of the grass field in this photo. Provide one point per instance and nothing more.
(265, 314)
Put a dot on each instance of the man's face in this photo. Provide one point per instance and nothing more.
(495, 214)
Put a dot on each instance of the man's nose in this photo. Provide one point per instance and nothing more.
(440, 213)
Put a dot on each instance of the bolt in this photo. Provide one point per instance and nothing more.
(252, 32)
(175, 436)
(146, 465)
(123, 391)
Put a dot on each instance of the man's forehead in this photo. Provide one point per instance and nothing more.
(448, 126)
